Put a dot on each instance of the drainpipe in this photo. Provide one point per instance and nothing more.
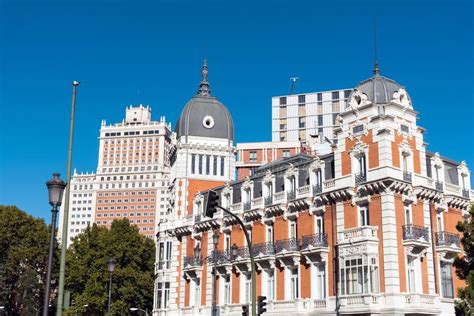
(335, 258)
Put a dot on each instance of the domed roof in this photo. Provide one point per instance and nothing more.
(204, 115)
(378, 90)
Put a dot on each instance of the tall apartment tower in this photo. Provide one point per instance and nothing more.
(82, 205)
(309, 118)
(369, 228)
(203, 156)
(133, 170)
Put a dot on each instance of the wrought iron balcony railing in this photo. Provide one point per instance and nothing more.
(317, 188)
(439, 186)
(268, 200)
(220, 257)
(247, 206)
(407, 176)
(360, 178)
(291, 244)
(447, 239)
(265, 249)
(192, 261)
(465, 193)
(291, 195)
(316, 240)
(413, 232)
(197, 218)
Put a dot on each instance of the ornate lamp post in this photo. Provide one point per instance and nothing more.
(215, 241)
(55, 191)
(111, 267)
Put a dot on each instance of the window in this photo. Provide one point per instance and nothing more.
(405, 129)
(358, 277)
(222, 166)
(208, 164)
(293, 229)
(248, 288)
(447, 279)
(364, 215)
(319, 224)
(320, 120)
(227, 242)
(358, 129)
(294, 283)
(197, 292)
(346, 93)
(320, 97)
(411, 269)
(163, 295)
(302, 122)
(271, 285)
(301, 98)
(320, 281)
(193, 163)
(335, 95)
(253, 156)
(270, 235)
(214, 165)
(282, 136)
(408, 217)
(362, 164)
(227, 289)
(286, 153)
(282, 100)
(200, 164)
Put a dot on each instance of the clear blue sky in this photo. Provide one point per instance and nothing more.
(150, 52)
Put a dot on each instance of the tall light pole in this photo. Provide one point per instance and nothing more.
(111, 267)
(215, 241)
(62, 266)
(55, 192)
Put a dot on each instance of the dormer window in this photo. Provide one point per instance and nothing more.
(404, 129)
(357, 129)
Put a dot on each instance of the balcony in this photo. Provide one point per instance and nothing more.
(268, 201)
(465, 193)
(317, 189)
(192, 266)
(358, 234)
(407, 176)
(291, 195)
(349, 302)
(448, 244)
(360, 178)
(314, 241)
(247, 206)
(220, 257)
(287, 245)
(415, 237)
(304, 191)
(263, 249)
(439, 186)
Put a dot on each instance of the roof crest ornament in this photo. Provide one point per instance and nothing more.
(376, 70)
(204, 88)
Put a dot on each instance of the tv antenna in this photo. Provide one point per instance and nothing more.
(293, 84)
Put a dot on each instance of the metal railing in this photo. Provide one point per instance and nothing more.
(317, 188)
(360, 178)
(316, 240)
(465, 193)
(413, 232)
(407, 176)
(264, 249)
(447, 239)
(197, 218)
(268, 200)
(291, 244)
(439, 185)
(220, 257)
(247, 206)
(291, 195)
(192, 261)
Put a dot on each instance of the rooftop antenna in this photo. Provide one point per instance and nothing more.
(293, 83)
(376, 61)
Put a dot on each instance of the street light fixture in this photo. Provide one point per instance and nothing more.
(55, 195)
(135, 309)
(111, 267)
(215, 241)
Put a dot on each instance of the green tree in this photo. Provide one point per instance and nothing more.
(24, 246)
(87, 276)
(465, 267)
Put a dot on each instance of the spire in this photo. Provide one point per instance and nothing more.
(376, 70)
(204, 88)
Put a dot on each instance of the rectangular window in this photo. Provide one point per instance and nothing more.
(334, 119)
(282, 136)
(227, 289)
(214, 165)
(335, 95)
(320, 120)
(193, 163)
(320, 282)
(346, 93)
(405, 129)
(200, 164)
(270, 236)
(286, 153)
(293, 229)
(411, 271)
(358, 129)
(320, 97)
(271, 285)
(301, 98)
(253, 156)
(356, 276)
(248, 287)
(302, 122)
(364, 215)
(222, 165)
(294, 283)
(282, 100)
(447, 279)
(208, 164)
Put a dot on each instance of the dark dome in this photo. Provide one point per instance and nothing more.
(204, 115)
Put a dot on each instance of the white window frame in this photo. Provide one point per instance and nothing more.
(363, 213)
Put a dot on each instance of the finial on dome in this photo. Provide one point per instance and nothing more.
(376, 70)
(204, 88)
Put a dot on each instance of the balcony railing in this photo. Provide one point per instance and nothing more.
(413, 232)
(360, 178)
(220, 257)
(265, 249)
(279, 197)
(439, 185)
(465, 193)
(247, 206)
(291, 244)
(317, 188)
(316, 240)
(192, 261)
(197, 218)
(268, 200)
(291, 195)
(358, 233)
(407, 176)
(447, 239)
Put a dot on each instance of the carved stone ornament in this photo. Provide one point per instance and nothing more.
(291, 171)
(405, 148)
(436, 160)
(227, 189)
(358, 98)
(268, 177)
(401, 97)
(359, 148)
(316, 164)
(463, 170)
(247, 183)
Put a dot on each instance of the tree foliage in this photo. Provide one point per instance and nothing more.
(465, 267)
(24, 246)
(87, 276)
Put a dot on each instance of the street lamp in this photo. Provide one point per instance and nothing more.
(215, 241)
(134, 309)
(55, 194)
(111, 267)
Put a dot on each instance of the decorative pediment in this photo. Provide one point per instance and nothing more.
(316, 164)
(401, 97)
(291, 171)
(227, 189)
(358, 99)
(359, 148)
(436, 161)
(463, 170)
(268, 178)
(247, 183)
(405, 148)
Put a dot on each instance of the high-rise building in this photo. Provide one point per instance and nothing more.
(368, 228)
(309, 118)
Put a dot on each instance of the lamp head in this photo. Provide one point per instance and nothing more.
(56, 188)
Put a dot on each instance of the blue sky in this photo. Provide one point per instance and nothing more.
(150, 52)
